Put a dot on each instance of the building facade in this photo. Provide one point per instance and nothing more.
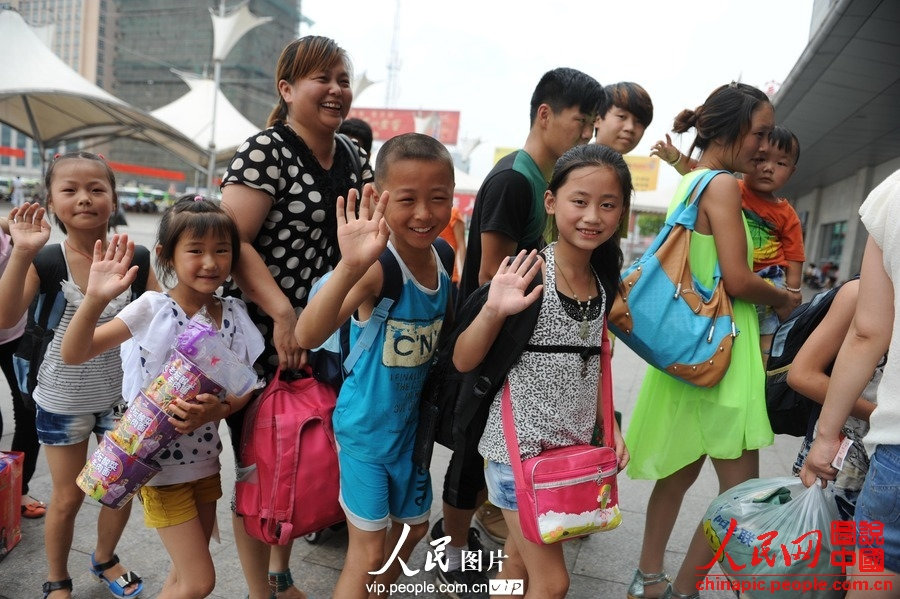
(841, 101)
(129, 48)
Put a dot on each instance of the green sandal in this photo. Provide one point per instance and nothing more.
(641, 580)
(671, 593)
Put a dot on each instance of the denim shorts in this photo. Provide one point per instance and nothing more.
(71, 429)
(501, 486)
(768, 320)
(879, 504)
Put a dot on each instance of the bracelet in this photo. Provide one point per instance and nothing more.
(676, 161)
(793, 289)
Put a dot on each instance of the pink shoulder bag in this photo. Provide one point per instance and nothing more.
(567, 492)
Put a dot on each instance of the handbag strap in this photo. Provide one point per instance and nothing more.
(685, 214)
(606, 403)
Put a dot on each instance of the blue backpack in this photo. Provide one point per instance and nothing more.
(332, 361)
(47, 309)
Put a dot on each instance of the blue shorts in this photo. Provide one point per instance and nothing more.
(71, 429)
(768, 320)
(879, 504)
(501, 486)
(373, 494)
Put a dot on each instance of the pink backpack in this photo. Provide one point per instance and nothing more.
(288, 483)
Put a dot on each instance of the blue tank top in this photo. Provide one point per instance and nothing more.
(378, 406)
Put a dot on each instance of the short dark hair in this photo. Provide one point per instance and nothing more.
(631, 97)
(563, 88)
(410, 146)
(359, 130)
(726, 115)
(197, 216)
(785, 140)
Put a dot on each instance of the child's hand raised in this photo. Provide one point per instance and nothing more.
(362, 238)
(507, 292)
(111, 271)
(28, 228)
(665, 150)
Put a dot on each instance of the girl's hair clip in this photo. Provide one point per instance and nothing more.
(57, 155)
(199, 198)
(102, 157)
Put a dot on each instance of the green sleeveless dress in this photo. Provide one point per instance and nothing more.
(673, 423)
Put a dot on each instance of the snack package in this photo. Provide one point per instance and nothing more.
(180, 379)
(199, 363)
(200, 343)
(144, 430)
(778, 538)
(112, 476)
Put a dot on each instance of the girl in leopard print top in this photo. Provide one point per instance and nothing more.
(554, 383)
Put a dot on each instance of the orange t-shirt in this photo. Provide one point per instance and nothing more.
(449, 237)
(774, 228)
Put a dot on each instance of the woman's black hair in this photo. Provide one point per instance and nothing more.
(48, 178)
(725, 115)
(197, 216)
(607, 259)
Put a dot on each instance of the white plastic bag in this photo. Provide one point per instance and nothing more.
(780, 542)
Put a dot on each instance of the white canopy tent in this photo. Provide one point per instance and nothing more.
(45, 99)
(191, 115)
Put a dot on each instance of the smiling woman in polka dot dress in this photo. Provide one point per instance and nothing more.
(281, 188)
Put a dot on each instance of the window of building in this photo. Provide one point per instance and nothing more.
(20, 144)
(833, 235)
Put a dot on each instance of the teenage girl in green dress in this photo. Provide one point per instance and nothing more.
(676, 425)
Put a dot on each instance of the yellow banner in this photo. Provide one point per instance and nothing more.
(644, 171)
(501, 152)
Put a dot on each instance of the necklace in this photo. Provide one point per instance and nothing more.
(77, 251)
(584, 328)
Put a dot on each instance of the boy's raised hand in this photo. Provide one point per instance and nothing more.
(29, 228)
(111, 271)
(362, 238)
(507, 292)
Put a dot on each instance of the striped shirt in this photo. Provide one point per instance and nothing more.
(94, 386)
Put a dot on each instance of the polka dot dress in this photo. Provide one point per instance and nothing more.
(298, 239)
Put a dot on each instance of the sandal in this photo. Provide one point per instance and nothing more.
(279, 582)
(57, 585)
(34, 509)
(671, 593)
(117, 587)
(642, 580)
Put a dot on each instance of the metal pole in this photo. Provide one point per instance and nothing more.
(217, 77)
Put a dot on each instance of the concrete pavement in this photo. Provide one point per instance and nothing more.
(601, 566)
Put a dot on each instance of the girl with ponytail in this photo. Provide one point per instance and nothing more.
(281, 189)
(675, 426)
